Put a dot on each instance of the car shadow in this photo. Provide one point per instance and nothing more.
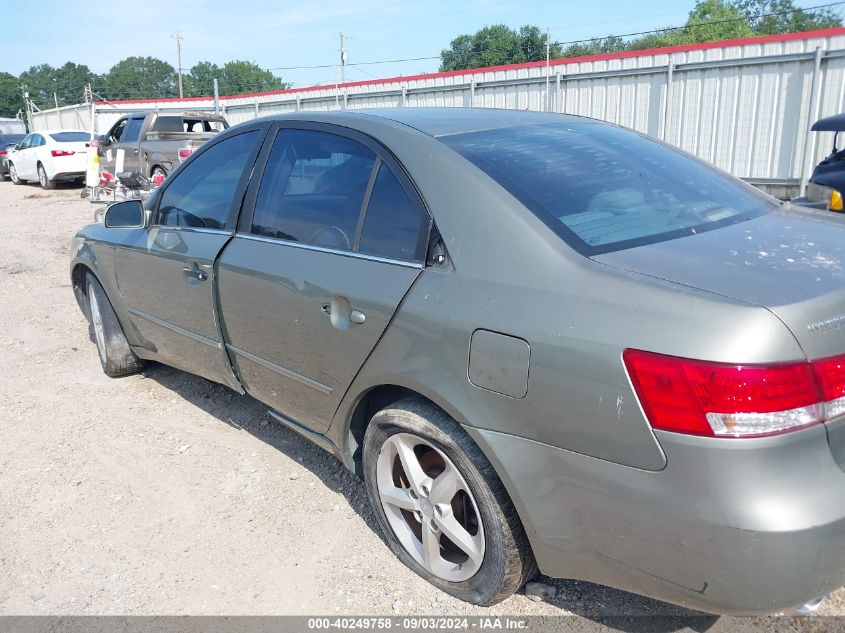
(609, 607)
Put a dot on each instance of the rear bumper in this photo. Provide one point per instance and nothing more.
(69, 175)
(729, 526)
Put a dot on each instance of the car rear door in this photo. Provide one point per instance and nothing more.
(165, 271)
(331, 239)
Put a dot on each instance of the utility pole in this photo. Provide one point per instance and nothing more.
(343, 58)
(178, 37)
(216, 97)
(27, 104)
(548, 69)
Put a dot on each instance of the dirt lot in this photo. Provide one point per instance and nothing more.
(167, 494)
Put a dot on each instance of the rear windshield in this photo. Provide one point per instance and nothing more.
(5, 139)
(604, 188)
(70, 137)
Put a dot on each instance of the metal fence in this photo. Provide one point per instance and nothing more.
(743, 105)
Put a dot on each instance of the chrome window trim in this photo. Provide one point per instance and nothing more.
(330, 251)
(279, 369)
(191, 229)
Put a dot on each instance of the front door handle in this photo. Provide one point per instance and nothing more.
(195, 273)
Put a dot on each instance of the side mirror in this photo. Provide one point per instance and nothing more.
(128, 214)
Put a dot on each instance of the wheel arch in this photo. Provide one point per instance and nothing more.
(78, 282)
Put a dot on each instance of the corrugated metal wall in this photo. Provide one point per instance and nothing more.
(744, 106)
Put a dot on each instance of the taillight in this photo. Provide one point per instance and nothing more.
(184, 153)
(60, 152)
(725, 400)
(3, 152)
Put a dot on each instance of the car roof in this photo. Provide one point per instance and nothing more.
(443, 121)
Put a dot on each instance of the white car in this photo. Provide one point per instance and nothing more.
(50, 156)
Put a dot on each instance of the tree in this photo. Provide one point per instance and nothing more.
(200, 79)
(234, 77)
(497, 45)
(611, 44)
(140, 78)
(788, 18)
(11, 99)
(712, 20)
(67, 82)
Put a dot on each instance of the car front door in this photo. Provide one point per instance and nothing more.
(165, 271)
(335, 238)
(24, 158)
(123, 142)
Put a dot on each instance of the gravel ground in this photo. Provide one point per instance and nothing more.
(164, 493)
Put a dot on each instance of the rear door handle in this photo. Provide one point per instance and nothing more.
(342, 315)
(195, 273)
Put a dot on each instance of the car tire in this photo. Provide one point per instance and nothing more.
(469, 502)
(116, 357)
(44, 180)
(13, 175)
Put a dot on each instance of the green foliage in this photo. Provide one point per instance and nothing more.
(67, 82)
(139, 78)
(496, 45)
(709, 20)
(11, 99)
(759, 14)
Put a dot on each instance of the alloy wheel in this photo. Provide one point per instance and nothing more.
(13, 173)
(42, 177)
(430, 507)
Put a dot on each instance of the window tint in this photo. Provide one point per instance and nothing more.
(602, 188)
(201, 194)
(392, 224)
(132, 130)
(70, 137)
(313, 188)
(26, 143)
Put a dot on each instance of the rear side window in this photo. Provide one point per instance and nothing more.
(393, 224)
(70, 137)
(313, 188)
(132, 130)
(603, 188)
(201, 194)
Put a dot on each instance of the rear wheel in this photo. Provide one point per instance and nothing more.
(442, 508)
(43, 180)
(116, 357)
(13, 174)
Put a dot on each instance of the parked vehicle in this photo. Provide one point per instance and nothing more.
(536, 337)
(50, 157)
(827, 184)
(153, 143)
(8, 142)
(12, 126)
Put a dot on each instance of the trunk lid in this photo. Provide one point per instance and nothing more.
(791, 261)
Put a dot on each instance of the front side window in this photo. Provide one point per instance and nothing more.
(392, 224)
(603, 188)
(202, 193)
(115, 134)
(313, 188)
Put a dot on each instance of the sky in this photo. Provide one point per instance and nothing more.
(281, 35)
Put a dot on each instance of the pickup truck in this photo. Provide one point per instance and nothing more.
(155, 143)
